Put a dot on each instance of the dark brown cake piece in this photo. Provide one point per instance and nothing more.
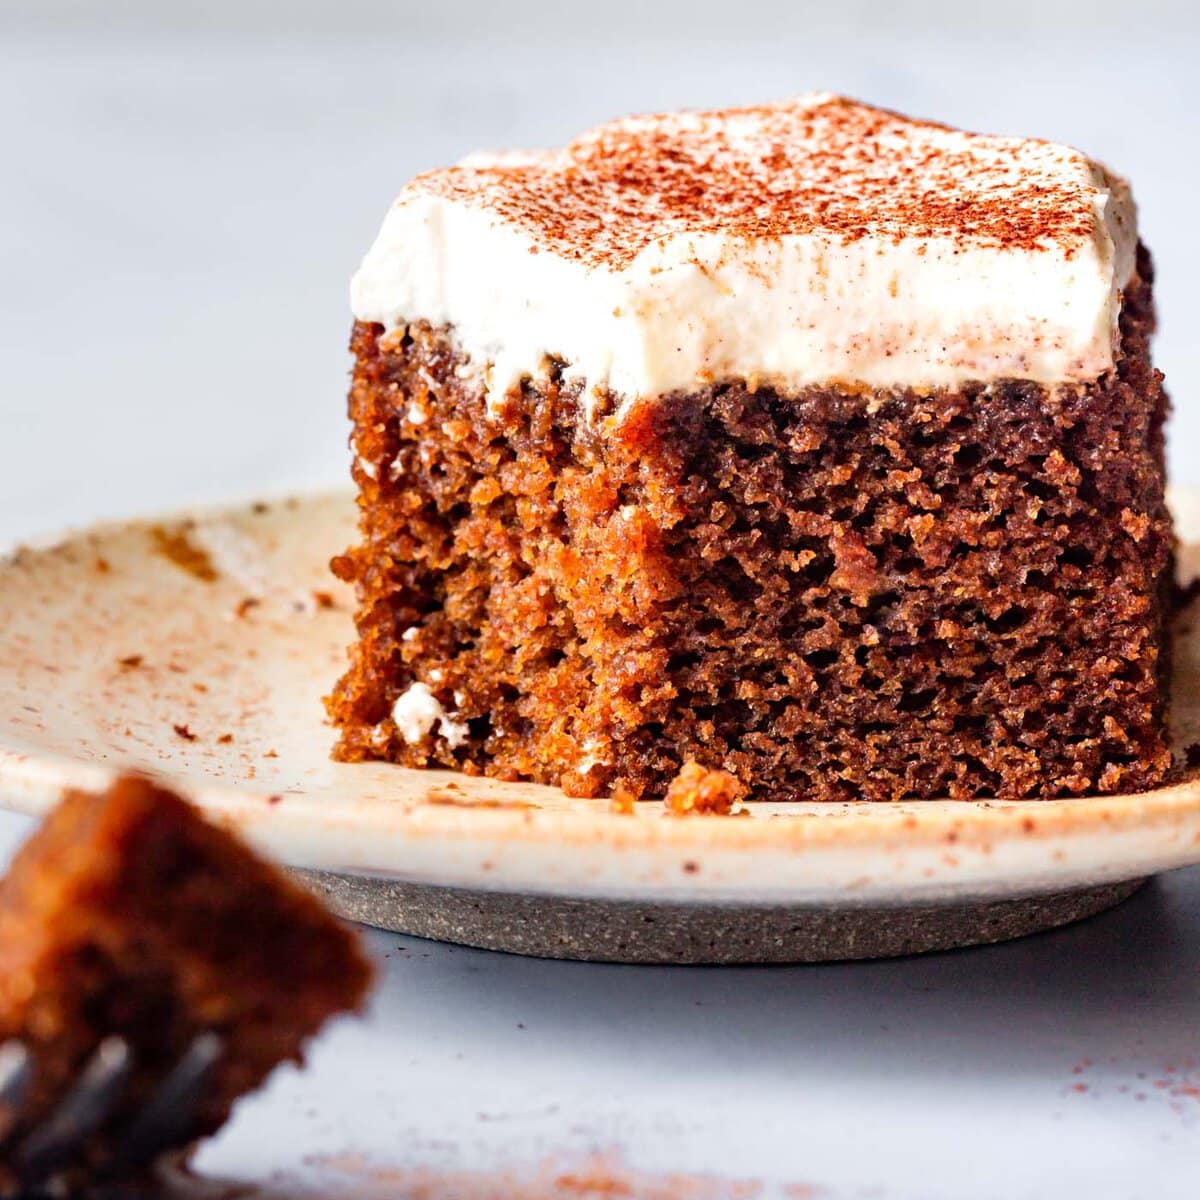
(128, 914)
(848, 589)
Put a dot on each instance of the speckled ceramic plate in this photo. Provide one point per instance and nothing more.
(199, 647)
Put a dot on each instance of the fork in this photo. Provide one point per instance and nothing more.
(37, 1157)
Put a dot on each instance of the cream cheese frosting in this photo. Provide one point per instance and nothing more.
(417, 710)
(814, 241)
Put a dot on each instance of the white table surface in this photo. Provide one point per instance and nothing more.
(184, 194)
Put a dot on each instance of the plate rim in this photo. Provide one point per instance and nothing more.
(30, 780)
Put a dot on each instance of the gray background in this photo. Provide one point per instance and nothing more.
(187, 187)
(185, 190)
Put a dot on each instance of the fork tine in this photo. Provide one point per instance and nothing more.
(167, 1119)
(53, 1144)
(16, 1074)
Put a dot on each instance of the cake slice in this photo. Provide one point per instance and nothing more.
(806, 442)
(129, 915)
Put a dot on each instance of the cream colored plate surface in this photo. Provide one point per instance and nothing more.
(200, 648)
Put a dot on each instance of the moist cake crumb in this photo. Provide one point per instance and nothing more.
(622, 801)
(698, 789)
(940, 598)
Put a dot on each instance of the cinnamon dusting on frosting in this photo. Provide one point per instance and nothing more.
(814, 164)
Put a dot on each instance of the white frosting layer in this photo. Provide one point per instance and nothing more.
(889, 306)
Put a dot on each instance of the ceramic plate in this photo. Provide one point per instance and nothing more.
(199, 647)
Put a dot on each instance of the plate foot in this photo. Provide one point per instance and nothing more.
(635, 932)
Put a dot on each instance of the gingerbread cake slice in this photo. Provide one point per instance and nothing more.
(127, 915)
(806, 442)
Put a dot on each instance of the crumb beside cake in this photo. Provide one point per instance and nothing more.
(702, 790)
(806, 442)
(127, 914)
